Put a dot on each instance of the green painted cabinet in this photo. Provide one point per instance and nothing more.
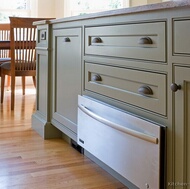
(66, 79)
(41, 119)
(114, 59)
(182, 125)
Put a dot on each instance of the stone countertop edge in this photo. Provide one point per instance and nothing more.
(123, 11)
(41, 22)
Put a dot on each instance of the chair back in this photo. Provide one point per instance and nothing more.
(23, 42)
(4, 36)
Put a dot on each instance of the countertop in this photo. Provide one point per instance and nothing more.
(144, 8)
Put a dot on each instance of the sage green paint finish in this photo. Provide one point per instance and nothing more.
(181, 37)
(66, 76)
(45, 129)
(41, 118)
(174, 42)
(126, 41)
(182, 126)
(123, 84)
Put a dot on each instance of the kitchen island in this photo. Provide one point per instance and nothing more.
(134, 59)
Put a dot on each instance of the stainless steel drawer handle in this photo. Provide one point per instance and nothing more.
(145, 41)
(118, 127)
(96, 77)
(145, 90)
(67, 39)
(97, 40)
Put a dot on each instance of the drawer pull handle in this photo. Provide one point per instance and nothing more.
(67, 39)
(174, 87)
(96, 77)
(118, 127)
(145, 41)
(145, 90)
(97, 40)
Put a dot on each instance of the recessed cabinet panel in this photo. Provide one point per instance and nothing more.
(182, 125)
(181, 37)
(144, 41)
(42, 68)
(66, 76)
(146, 90)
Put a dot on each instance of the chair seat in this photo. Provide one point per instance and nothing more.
(19, 66)
(2, 60)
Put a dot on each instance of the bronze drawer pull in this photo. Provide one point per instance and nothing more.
(145, 41)
(96, 77)
(67, 39)
(145, 90)
(174, 87)
(97, 40)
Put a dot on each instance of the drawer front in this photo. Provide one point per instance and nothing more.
(146, 90)
(122, 141)
(181, 37)
(144, 41)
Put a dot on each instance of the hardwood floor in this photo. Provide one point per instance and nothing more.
(29, 162)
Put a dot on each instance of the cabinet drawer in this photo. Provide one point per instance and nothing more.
(144, 41)
(146, 90)
(181, 37)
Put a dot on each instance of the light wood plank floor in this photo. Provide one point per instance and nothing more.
(29, 162)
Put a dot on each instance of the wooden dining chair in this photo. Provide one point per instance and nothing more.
(23, 54)
(4, 53)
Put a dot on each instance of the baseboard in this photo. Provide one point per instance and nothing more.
(45, 129)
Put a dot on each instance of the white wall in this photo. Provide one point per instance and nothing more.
(47, 8)
(34, 8)
(143, 2)
(59, 8)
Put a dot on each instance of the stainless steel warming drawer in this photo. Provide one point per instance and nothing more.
(129, 145)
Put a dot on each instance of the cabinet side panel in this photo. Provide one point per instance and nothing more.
(42, 84)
